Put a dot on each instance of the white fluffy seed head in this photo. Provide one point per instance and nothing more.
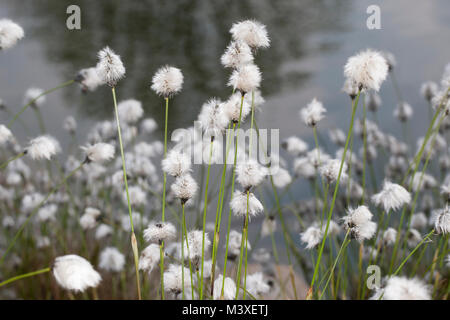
(75, 273)
(89, 79)
(239, 205)
(193, 249)
(176, 163)
(429, 90)
(403, 112)
(149, 258)
(358, 222)
(31, 96)
(111, 259)
(402, 288)
(251, 32)
(228, 286)
(167, 81)
(312, 236)
(256, 285)
(157, 232)
(442, 222)
(103, 231)
(391, 197)
(43, 147)
(389, 236)
(330, 170)
(213, 118)
(246, 78)
(110, 68)
(232, 108)
(173, 279)
(130, 110)
(5, 134)
(70, 124)
(237, 53)
(10, 33)
(313, 113)
(99, 152)
(250, 173)
(184, 187)
(295, 145)
(367, 69)
(281, 178)
(234, 244)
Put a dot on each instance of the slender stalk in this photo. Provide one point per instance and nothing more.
(7, 162)
(204, 217)
(364, 152)
(343, 247)
(231, 196)
(133, 236)
(62, 85)
(26, 275)
(182, 251)
(349, 134)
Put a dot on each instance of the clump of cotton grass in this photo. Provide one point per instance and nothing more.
(75, 273)
(110, 68)
(5, 134)
(402, 288)
(176, 163)
(130, 110)
(391, 197)
(157, 232)
(313, 113)
(213, 118)
(167, 81)
(149, 258)
(252, 32)
(99, 153)
(10, 33)
(232, 108)
(236, 54)
(184, 188)
(312, 236)
(367, 70)
(250, 174)
(246, 78)
(89, 79)
(111, 259)
(358, 223)
(330, 171)
(442, 221)
(226, 285)
(239, 204)
(42, 147)
(35, 97)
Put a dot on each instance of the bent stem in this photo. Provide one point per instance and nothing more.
(133, 236)
(26, 275)
(62, 85)
(349, 134)
(7, 162)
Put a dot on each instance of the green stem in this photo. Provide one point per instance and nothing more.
(349, 134)
(22, 276)
(65, 84)
(5, 164)
(133, 236)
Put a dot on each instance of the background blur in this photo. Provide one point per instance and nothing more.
(311, 40)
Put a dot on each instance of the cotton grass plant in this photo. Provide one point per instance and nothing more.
(353, 217)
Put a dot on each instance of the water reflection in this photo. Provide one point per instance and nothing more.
(189, 34)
